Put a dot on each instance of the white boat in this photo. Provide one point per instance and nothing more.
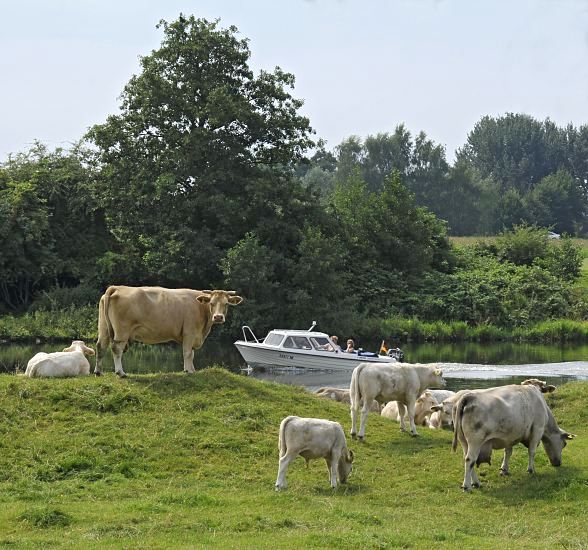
(303, 349)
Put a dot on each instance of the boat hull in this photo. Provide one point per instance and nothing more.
(258, 355)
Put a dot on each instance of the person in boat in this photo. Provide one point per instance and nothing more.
(350, 346)
(332, 347)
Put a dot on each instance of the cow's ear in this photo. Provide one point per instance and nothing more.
(547, 389)
(436, 407)
(566, 435)
(438, 372)
(235, 300)
(350, 456)
(203, 298)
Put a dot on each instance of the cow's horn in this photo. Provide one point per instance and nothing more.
(231, 292)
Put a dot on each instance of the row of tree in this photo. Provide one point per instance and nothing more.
(512, 170)
(204, 179)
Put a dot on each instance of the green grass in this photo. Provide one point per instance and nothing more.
(190, 462)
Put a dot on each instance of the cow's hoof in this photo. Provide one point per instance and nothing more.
(97, 373)
(466, 489)
(361, 437)
(414, 434)
(121, 374)
(530, 471)
(353, 436)
(477, 485)
(504, 472)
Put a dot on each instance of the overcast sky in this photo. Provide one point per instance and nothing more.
(362, 67)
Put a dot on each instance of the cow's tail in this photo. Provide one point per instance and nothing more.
(457, 415)
(105, 330)
(354, 390)
(282, 437)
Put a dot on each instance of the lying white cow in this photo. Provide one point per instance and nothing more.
(441, 417)
(422, 409)
(314, 438)
(401, 382)
(61, 364)
(499, 418)
(342, 396)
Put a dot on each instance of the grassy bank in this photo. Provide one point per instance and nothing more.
(190, 461)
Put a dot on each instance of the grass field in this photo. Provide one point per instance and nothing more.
(175, 461)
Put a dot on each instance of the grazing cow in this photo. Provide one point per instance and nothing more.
(422, 409)
(314, 438)
(401, 382)
(342, 395)
(61, 364)
(152, 314)
(499, 418)
(442, 416)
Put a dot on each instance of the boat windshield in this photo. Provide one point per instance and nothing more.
(273, 339)
(297, 342)
(321, 343)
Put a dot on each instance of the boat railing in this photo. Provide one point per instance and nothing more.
(246, 329)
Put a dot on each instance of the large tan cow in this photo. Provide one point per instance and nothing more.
(499, 418)
(152, 314)
(401, 382)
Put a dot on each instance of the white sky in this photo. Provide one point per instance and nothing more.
(362, 67)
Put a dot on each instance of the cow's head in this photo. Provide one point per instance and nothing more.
(426, 401)
(445, 408)
(436, 379)
(554, 443)
(80, 345)
(345, 466)
(219, 301)
(541, 384)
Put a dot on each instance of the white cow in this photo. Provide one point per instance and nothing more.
(61, 364)
(422, 409)
(442, 414)
(342, 396)
(314, 438)
(499, 418)
(401, 382)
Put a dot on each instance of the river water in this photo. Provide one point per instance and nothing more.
(464, 365)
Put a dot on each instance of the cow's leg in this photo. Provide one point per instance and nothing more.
(285, 460)
(365, 411)
(101, 347)
(469, 465)
(504, 466)
(401, 415)
(410, 408)
(118, 348)
(332, 463)
(533, 442)
(353, 408)
(188, 353)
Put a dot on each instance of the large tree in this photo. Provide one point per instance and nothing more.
(185, 163)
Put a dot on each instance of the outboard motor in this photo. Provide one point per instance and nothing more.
(397, 354)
